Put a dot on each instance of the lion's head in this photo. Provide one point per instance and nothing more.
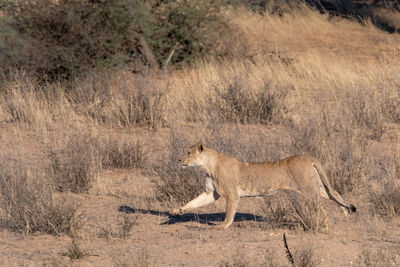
(193, 157)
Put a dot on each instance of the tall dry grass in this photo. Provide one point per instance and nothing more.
(29, 205)
(77, 166)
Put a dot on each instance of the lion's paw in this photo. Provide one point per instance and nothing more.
(177, 212)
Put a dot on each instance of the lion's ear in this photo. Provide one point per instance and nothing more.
(199, 147)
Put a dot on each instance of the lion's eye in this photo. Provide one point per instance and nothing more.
(188, 153)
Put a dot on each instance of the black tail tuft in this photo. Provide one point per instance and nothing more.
(352, 208)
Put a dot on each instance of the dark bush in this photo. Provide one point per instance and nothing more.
(193, 28)
(60, 39)
(63, 38)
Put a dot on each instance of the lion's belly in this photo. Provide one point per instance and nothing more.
(263, 190)
(264, 183)
(248, 193)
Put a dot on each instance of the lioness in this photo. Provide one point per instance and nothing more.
(232, 179)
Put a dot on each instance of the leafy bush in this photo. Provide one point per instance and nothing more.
(192, 27)
(60, 39)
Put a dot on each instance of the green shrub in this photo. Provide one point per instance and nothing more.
(60, 39)
(192, 27)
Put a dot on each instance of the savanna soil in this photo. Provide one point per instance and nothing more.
(159, 239)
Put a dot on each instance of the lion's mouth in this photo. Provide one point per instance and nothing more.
(184, 166)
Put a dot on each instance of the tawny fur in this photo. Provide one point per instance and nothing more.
(232, 179)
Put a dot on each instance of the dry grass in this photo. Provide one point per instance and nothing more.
(239, 103)
(27, 102)
(140, 259)
(124, 228)
(173, 183)
(387, 202)
(126, 223)
(28, 202)
(305, 256)
(278, 215)
(289, 210)
(76, 167)
(378, 257)
(121, 99)
(84, 153)
(296, 55)
(117, 153)
(75, 251)
(309, 214)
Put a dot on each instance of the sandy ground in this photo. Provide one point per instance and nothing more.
(191, 240)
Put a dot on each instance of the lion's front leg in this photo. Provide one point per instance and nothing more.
(200, 201)
(231, 204)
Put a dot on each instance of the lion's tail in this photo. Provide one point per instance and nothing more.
(333, 195)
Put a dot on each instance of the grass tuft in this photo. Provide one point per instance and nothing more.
(30, 207)
(77, 166)
(174, 183)
(75, 252)
(126, 223)
(120, 154)
(239, 103)
(387, 202)
(293, 211)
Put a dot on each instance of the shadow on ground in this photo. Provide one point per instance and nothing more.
(209, 218)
